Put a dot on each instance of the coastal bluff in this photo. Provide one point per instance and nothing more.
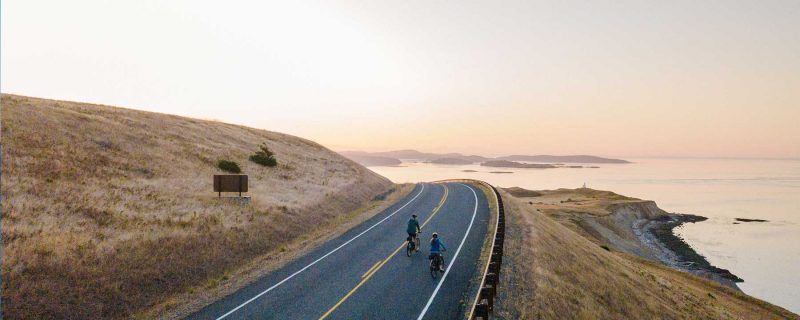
(592, 254)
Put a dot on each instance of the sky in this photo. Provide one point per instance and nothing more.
(611, 78)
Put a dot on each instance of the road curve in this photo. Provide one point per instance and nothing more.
(365, 273)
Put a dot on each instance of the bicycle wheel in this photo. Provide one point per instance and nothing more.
(434, 270)
(409, 248)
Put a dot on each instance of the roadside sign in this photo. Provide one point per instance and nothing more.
(230, 183)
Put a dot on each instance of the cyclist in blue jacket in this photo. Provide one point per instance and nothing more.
(436, 246)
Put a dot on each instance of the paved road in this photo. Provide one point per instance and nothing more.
(365, 273)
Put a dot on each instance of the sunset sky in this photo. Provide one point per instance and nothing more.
(613, 78)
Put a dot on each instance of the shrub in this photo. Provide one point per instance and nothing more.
(229, 166)
(264, 157)
(383, 196)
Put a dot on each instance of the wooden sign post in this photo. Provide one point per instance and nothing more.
(230, 183)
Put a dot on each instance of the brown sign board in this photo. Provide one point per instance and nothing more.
(230, 183)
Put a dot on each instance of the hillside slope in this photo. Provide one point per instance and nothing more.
(555, 269)
(107, 211)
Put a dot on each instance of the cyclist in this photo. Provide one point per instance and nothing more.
(436, 245)
(412, 229)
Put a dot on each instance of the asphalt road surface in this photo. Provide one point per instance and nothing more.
(365, 273)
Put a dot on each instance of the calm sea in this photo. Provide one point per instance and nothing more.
(766, 255)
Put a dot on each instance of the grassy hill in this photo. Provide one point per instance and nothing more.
(560, 263)
(108, 211)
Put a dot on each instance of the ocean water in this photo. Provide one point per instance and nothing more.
(765, 254)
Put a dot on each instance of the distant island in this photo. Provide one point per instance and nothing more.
(451, 161)
(512, 164)
(566, 159)
(416, 155)
(393, 158)
(374, 161)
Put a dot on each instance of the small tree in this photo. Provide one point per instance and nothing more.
(229, 166)
(264, 157)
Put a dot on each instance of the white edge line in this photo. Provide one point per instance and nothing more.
(323, 257)
(435, 291)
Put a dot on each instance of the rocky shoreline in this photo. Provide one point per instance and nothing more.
(630, 225)
(659, 234)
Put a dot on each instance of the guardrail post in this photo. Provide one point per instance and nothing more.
(491, 278)
(481, 311)
(497, 257)
(494, 267)
(488, 292)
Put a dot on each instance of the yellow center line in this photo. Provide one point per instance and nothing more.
(370, 269)
(438, 206)
(378, 265)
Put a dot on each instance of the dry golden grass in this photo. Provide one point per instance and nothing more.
(108, 211)
(551, 271)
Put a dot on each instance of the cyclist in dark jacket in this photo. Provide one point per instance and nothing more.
(413, 228)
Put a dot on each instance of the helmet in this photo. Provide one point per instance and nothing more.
(413, 215)
(435, 235)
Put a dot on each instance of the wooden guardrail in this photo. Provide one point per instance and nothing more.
(483, 306)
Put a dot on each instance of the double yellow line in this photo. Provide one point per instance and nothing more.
(378, 265)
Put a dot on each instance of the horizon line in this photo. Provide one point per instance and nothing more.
(567, 155)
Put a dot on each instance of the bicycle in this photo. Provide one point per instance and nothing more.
(412, 246)
(436, 264)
